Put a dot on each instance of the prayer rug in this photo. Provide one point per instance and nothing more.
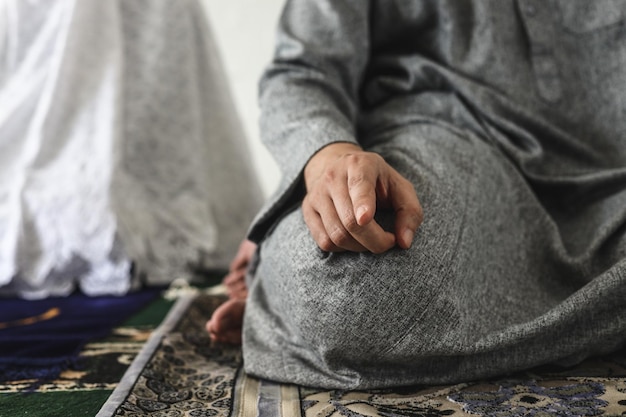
(41, 339)
(82, 389)
(180, 373)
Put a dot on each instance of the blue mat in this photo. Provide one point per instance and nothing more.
(39, 339)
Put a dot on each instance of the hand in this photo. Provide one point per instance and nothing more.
(235, 281)
(344, 185)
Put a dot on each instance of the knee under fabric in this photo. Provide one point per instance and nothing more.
(487, 286)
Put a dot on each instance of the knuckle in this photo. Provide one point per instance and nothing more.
(405, 184)
(377, 251)
(350, 223)
(363, 160)
(416, 218)
(412, 210)
(378, 248)
(374, 160)
(353, 158)
(339, 237)
(330, 175)
(419, 214)
(383, 246)
(377, 158)
(313, 195)
(325, 243)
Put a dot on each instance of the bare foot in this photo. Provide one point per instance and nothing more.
(226, 321)
(235, 281)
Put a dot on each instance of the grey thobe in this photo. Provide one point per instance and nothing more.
(509, 118)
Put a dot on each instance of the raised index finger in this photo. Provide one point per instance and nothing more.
(362, 178)
(360, 204)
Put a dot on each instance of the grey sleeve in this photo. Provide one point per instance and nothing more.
(309, 94)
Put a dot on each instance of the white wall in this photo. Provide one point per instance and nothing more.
(244, 31)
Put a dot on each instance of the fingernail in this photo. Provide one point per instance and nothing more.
(408, 237)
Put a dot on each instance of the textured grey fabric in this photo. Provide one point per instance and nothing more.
(509, 117)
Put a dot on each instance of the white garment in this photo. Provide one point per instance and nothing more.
(119, 144)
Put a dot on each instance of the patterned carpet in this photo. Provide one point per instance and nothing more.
(85, 385)
(41, 339)
(180, 373)
(101, 364)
